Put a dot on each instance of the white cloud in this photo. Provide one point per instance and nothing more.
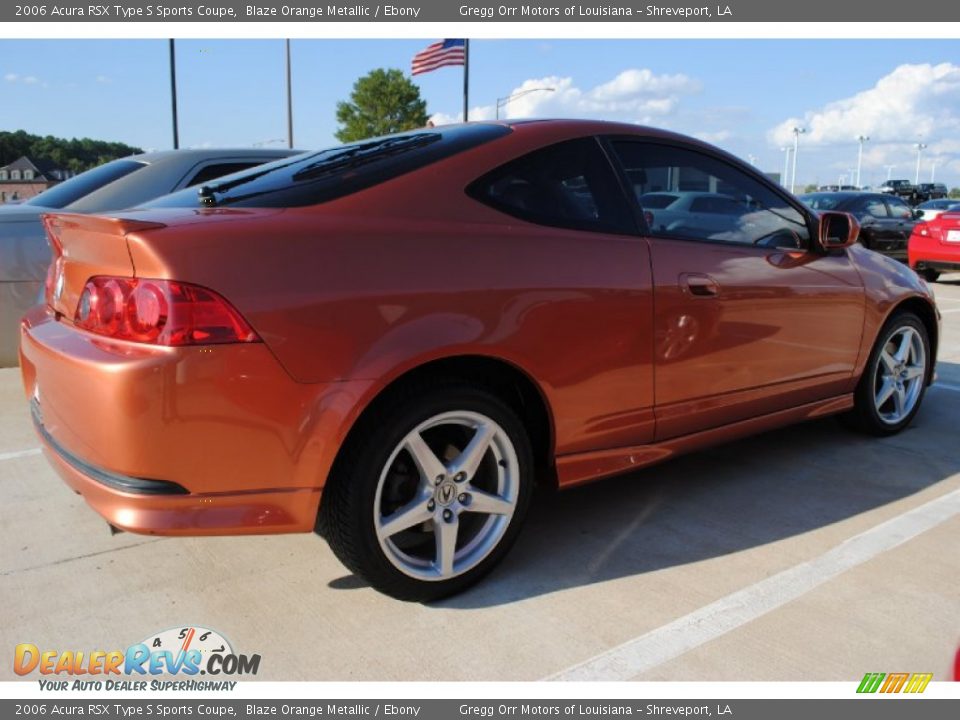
(23, 79)
(913, 101)
(635, 95)
(715, 138)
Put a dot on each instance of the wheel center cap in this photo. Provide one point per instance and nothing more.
(446, 493)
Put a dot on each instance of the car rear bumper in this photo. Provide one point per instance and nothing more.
(927, 253)
(181, 441)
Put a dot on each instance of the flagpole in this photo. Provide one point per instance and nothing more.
(466, 79)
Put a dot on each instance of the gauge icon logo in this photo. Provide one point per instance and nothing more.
(184, 639)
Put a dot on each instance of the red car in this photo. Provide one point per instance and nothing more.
(935, 245)
(392, 341)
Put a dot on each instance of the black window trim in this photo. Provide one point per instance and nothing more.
(608, 140)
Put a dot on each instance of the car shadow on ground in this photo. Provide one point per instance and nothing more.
(720, 501)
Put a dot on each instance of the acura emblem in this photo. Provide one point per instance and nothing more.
(446, 493)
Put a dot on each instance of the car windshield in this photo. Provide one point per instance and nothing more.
(71, 190)
(321, 176)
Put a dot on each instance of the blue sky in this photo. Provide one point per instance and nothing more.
(744, 95)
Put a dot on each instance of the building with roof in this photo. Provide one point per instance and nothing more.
(25, 178)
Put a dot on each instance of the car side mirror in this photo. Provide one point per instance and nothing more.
(837, 230)
(917, 214)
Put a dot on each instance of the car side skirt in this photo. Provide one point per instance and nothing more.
(580, 468)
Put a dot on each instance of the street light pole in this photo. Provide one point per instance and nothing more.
(786, 165)
(920, 146)
(860, 139)
(797, 132)
(889, 170)
(289, 101)
(503, 101)
(173, 95)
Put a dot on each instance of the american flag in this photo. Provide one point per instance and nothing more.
(438, 55)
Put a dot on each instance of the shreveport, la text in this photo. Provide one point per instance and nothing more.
(585, 11)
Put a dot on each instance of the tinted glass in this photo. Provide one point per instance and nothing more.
(658, 201)
(820, 201)
(875, 207)
(569, 185)
(318, 177)
(899, 209)
(218, 170)
(718, 202)
(85, 183)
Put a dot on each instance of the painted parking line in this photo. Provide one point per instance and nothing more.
(737, 609)
(947, 386)
(19, 454)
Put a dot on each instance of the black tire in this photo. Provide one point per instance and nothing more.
(930, 275)
(348, 506)
(865, 416)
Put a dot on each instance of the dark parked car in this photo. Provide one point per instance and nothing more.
(901, 188)
(931, 191)
(886, 221)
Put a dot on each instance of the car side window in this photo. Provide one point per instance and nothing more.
(899, 209)
(217, 170)
(569, 185)
(714, 200)
(875, 208)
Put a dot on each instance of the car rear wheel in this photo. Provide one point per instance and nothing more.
(430, 492)
(930, 275)
(894, 382)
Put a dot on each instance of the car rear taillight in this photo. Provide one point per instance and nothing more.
(929, 230)
(159, 312)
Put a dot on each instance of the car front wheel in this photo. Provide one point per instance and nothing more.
(892, 387)
(430, 492)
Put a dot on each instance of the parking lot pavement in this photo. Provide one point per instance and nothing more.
(809, 553)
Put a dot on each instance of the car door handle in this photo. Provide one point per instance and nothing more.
(699, 285)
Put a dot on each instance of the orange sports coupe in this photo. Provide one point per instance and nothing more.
(390, 342)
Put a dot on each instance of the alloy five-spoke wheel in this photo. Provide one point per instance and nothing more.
(430, 490)
(895, 379)
(900, 374)
(446, 495)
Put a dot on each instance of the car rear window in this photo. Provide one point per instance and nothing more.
(318, 177)
(71, 190)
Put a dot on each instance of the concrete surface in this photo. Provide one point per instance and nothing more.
(596, 567)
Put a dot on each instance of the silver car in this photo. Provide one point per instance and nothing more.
(130, 181)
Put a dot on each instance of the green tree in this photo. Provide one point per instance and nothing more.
(955, 192)
(382, 102)
(810, 188)
(76, 155)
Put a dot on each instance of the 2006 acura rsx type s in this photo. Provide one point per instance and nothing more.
(390, 342)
